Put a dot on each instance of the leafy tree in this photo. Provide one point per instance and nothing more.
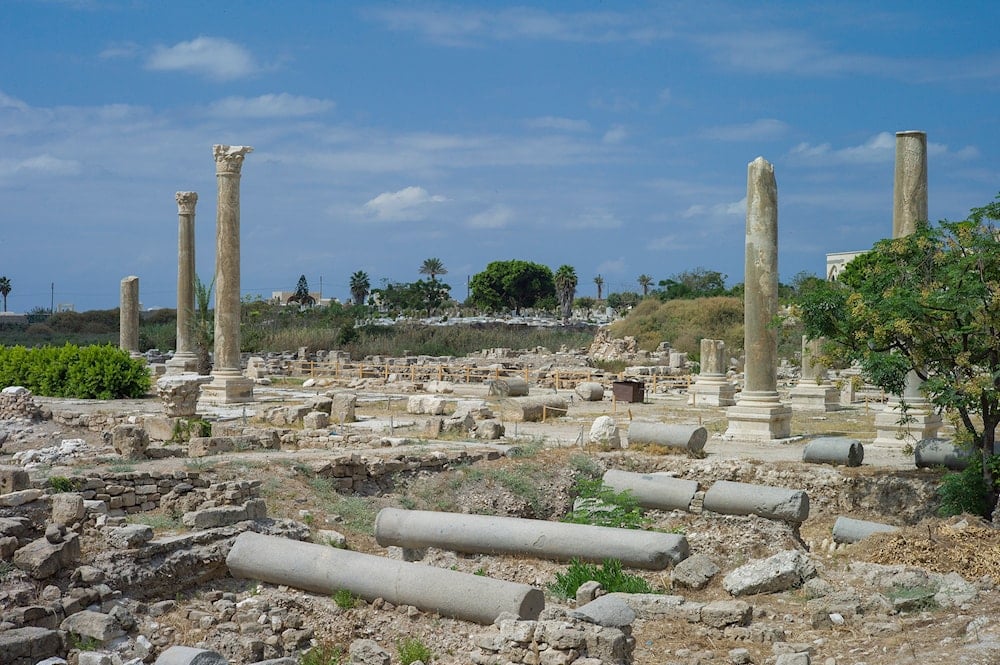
(413, 296)
(301, 294)
(644, 282)
(565, 282)
(622, 301)
(696, 283)
(5, 290)
(599, 281)
(513, 285)
(360, 286)
(929, 303)
(433, 267)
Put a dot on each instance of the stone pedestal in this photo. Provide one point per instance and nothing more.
(814, 391)
(920, 420)
(759, 414)
(184, 360)
(712, 387)
(228, 383)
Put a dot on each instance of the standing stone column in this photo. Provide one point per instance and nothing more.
(759, 414)
(184, 360)
(128, 316)
(712, 386)
(228, 383)
(909, 208)
(814, 391)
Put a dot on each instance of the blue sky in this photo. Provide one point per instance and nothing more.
(611, 136)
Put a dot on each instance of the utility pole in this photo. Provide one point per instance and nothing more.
(52, 299)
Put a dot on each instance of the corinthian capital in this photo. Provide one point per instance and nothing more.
(229, 158)
(185, 202)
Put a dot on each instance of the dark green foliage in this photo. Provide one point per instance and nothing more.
(411, 650)
(344, 599)
(323, 654)
(603, 506)
(506, 285)
(413, 297)
(61, 484)
(966, 491)
(89, 372)
(609, 574)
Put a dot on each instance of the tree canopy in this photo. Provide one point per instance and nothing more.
(565, 281)
(433, 267)
(696, 283)
(425, 296)
(301, 294)
(515, 284)
(360, 287)
(5, 289)
(928, 302)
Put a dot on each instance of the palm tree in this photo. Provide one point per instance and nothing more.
(565, 281)
(433, 267)
(600, 285)
(360, 286)
(4, 290)
(202, 324)
(644, 281)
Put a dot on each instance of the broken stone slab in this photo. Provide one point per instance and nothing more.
(535, 409)
(96, 625)
(605, 433)
(849, 530)
(210, 518)
(609, 611)
(722, 613)
(326, 570)
(180, 393)
(27, 646)
(653, 490)
(368, 652)
(660, 606)
(180, 655)
(508, 386)
(834, 450)
(67, 508)
(20, 498)
(130, 441)
(776, 503)
(489, 430)
(589, 391)
(41, 558)
(783, 571)
(694, 572)
(488, 534)
(426, 404)
(691, 438)
(130, 536)
(930, 453)
(316, 420)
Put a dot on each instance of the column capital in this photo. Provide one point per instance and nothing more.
(229, 158)
(185, 202)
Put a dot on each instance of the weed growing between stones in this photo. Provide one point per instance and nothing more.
(6, 568)
(323, 654)
(600, 505)
(411, 650)
(344, 599)
(81, 643)
(157, 520)
(60, 484)
(609, 574)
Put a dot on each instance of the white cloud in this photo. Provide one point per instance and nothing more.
(119, 50)
(496, 217)
(213, 57)
(561, 124)
(43, 164)
(879, 149)
(282, 105)
(595, 220)
(758, 130)
(716, 209)
(8, 102)
(615, 135)
(408, 204)
(612, 266)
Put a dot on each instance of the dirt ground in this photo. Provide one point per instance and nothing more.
(552, 455)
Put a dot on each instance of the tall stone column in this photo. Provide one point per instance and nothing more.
(228, 383)
(128, 315)
(759, 414)
(712, 386)
(893, 426)
(184, 360)
(814, 391)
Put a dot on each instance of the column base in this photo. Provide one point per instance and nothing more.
(712, 391)
(759, 417)
(227, 387)
(890, 433)
(815, 397)
(182, 363)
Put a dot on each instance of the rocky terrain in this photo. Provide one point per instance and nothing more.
(116, 521)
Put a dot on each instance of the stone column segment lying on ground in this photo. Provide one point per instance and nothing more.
(691, 438)
(326, 570)
(487, 534)
(834, 450)
(184, 359)
(228, 383)
(178, 655)
(653, 490)
(128, 315)
(930, 453)
(759, 413)
(776, 503)
(849, 530)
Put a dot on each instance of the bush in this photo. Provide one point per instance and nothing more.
(609, 574)
(965, 491)
(411, 650)
(89, 372)
(344, 599)
(603, 506)
(323, 654)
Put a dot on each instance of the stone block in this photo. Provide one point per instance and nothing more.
(67, 508)
(695, 572)
(27, 646)
(96, 625)
(604, 432)
(211, 518)
(13, 479)
(589, 391)
(343, 408)
(316, 420)
(42, 559)
(202, 446)
(130, 441)
(180, 655)
(130, 536)
(780, 572)
(15, 499)
(722, 613)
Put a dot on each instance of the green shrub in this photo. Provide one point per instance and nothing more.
(603, 506)
(411, 650)
(323, 654)
(965, 491)
(60, 484)
(344, 599)
(89, 372)
(609, 574)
